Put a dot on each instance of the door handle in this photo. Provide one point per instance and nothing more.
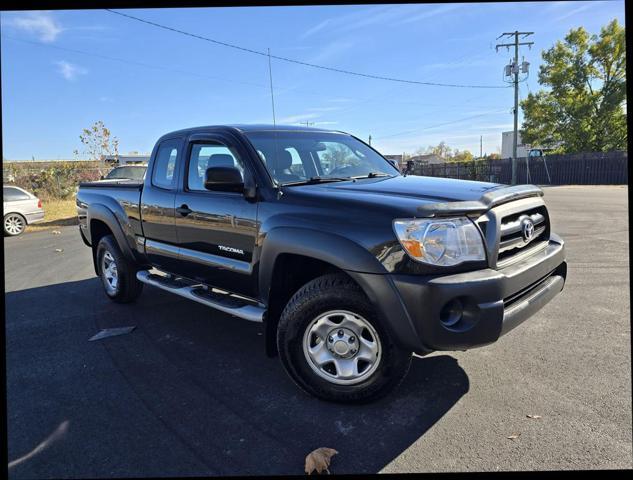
(184, 210)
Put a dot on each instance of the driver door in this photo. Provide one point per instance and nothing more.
(216, 229)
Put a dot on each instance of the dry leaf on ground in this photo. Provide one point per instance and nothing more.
(533, 416)
(319, 460)
(514, 436)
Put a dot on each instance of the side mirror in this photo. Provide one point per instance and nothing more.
(409, 168)
(224, 179)
(394, 163)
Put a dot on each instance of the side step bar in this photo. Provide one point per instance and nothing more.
(201, 294)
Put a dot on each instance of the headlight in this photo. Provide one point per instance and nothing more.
(441, 241)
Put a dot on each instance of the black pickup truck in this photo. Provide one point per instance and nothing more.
(350, 265)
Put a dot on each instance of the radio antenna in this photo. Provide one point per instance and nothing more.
(272, 96)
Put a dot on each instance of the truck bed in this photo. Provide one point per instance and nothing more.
(122, 197)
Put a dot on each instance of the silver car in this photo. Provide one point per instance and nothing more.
(20, 209)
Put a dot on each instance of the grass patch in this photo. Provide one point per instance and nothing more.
(57, 213)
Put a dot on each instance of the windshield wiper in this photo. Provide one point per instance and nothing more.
(313, 180)
(373, 175)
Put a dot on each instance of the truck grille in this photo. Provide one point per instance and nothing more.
(511, 237)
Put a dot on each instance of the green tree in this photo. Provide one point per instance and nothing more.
(461, 156)
(583, 107)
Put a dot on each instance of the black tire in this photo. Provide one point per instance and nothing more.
(127, 288)
(17, 222)
(324, 294)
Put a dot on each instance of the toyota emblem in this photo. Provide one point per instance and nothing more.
(527, 228)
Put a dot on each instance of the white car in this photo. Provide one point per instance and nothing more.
(20, 209)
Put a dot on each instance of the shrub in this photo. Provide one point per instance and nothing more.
(50, 180)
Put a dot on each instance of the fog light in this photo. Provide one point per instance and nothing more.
(451, 313)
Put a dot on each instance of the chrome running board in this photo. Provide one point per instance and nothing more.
(202, 294)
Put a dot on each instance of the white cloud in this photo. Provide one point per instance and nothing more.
(474, 61)
(340, 100)
(330, 51)
(39, 23)
(579, 9)
(318, 27)
(298, 118)
(324, 109)
(70, 71)
(360, 18)
(432, 13)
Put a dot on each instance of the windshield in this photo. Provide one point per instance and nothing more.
(297, 157)
(133, 173)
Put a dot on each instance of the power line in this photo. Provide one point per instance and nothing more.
(441, 124)
(131, 62)
(200, 75)
(158, 67)
(299, 62)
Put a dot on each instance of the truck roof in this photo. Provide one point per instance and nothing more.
(244, 128)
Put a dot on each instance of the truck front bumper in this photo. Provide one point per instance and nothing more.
(472, 309)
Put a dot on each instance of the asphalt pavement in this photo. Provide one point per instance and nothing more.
(191, 392)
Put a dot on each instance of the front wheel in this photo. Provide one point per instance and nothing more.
(118, 275)
(333, 345)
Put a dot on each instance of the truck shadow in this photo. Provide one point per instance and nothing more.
(206, 377)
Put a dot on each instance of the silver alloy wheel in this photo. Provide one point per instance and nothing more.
(109, 273)
(14, 224)
(342, 347)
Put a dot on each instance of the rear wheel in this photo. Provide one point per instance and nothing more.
(14, 224)
(117, 274)
(333, 345)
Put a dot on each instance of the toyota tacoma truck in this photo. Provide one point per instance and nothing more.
(349, 265)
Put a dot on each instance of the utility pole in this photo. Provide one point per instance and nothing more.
(514, 70)
(370, 140)
(481, 139)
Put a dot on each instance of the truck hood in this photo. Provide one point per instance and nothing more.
(390, 196)
(426, 189)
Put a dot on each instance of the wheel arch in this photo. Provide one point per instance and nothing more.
(101, 222)
(291, 257)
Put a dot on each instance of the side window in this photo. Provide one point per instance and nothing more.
(12, 194)
(206, 155)
(165, 166)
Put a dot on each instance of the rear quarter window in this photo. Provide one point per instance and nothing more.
(12, 194)
(164, 172)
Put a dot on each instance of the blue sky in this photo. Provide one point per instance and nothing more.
(49, 94)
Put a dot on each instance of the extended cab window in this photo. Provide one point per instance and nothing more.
(165, 165)
(207, 155)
